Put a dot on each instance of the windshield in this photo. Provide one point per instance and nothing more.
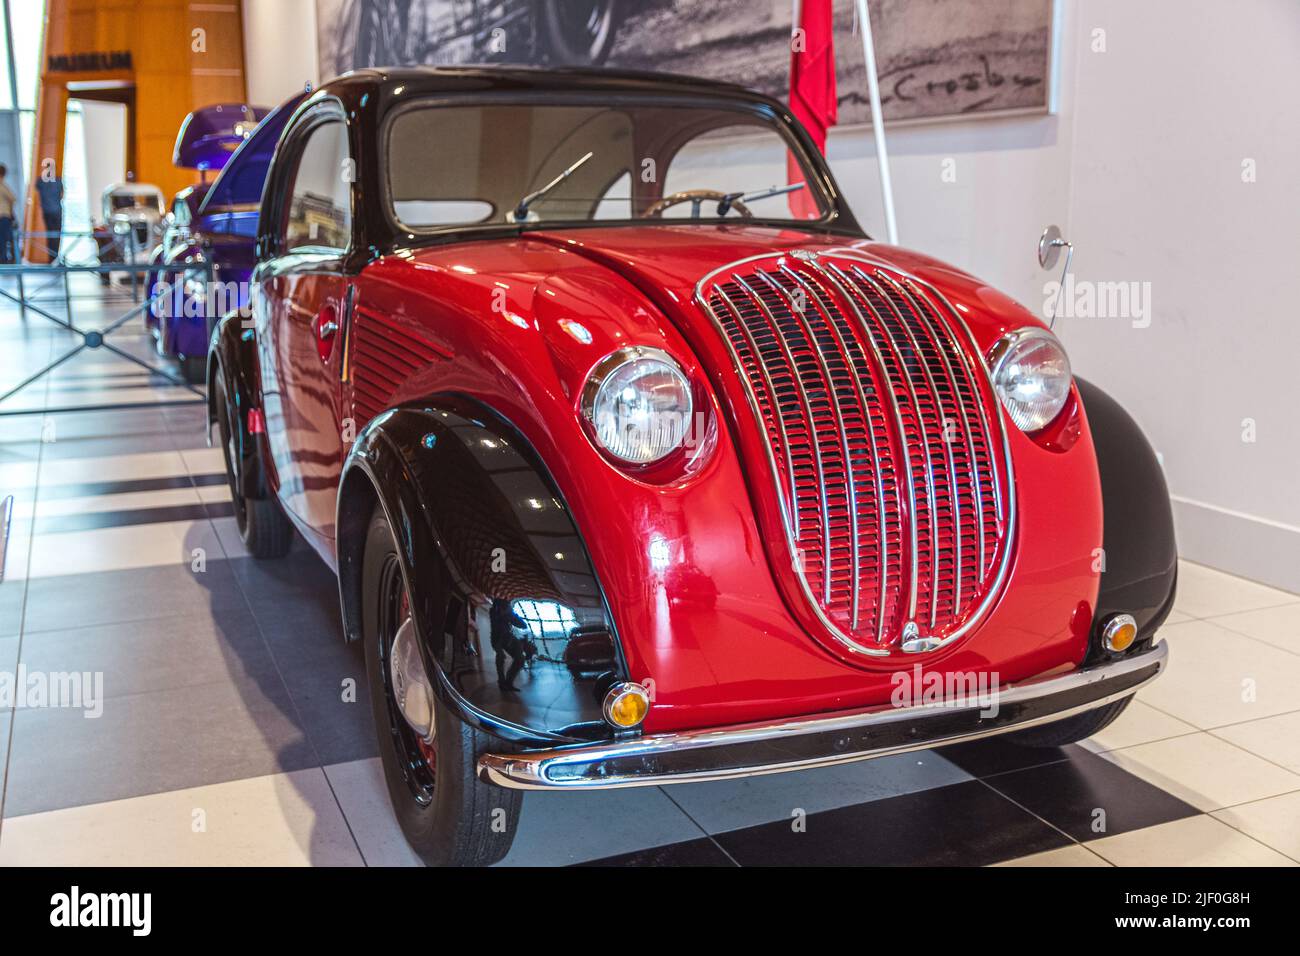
(137, 201)
(527, 162)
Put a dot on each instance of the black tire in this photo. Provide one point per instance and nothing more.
(265, 531)
(578, 32)
(449, 816)
(1072, 729)
(194, 369)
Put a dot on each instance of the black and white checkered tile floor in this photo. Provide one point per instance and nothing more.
(229, 734)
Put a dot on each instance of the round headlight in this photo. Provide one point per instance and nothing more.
(1031, 375)
(639, 404)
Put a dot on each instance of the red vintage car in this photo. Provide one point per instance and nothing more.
(640, 463)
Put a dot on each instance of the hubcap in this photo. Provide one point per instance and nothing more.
(409, 693)
(411, 687)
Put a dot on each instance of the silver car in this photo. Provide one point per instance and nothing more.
(134, 213)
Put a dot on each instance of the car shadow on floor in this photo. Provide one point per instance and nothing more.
(303, 687)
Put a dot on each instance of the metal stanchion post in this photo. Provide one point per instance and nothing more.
(135, 276)
(92, 338)
(877, 120)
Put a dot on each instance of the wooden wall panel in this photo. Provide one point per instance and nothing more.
(183, 55)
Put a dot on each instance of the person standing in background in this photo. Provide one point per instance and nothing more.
(8, 203)
(50, 192)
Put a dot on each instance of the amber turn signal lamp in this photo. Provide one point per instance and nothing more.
(626, 705)
(1119, 633)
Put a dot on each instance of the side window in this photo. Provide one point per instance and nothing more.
(617, 201)
(320, 206)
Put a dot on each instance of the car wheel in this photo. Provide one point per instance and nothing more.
(1072, 729)
(263, 528)
(449, 816)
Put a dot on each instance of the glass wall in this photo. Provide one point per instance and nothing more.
(19, 88)
(22, 25)
(20, 80)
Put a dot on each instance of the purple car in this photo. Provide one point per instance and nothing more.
(213, 223)
(209, 136)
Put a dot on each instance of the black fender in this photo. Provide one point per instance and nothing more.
(1140, 570)
(480, 520)
(232, 355)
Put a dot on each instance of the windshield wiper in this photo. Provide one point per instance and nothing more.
(724, 204)
(521, 211)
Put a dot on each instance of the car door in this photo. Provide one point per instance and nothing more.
(299, 294)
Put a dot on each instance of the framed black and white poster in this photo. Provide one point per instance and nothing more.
(938, 59)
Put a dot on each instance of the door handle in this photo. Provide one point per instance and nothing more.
(325, 325)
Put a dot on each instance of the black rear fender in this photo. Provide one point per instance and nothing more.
(232, 358)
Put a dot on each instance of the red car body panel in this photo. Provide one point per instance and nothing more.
(689, 565)
(301, 397)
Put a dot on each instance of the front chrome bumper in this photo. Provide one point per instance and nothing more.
(819, 740)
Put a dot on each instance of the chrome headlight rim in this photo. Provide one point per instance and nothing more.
(1004, 350)
(601, 374)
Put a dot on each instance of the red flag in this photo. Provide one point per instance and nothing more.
(812, 89)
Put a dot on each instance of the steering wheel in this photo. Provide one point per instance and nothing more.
(696, 198)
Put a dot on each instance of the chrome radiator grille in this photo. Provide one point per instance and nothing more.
(884, 440)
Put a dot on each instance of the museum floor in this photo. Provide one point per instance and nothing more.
(225, 736)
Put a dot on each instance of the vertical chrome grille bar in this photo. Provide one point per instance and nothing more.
(977, 372)
(942, 334)
(953, 490)
(986, 424)
(868, 403)
(798, 317)
(777, 412)
(812, 433)
(844, 284)
(995, 433)
(850, 479)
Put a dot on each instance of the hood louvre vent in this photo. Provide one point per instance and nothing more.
(384, 355)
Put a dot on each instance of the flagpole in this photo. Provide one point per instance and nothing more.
(877, 121)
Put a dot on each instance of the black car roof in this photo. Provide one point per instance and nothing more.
(368, 96)
(474, 79)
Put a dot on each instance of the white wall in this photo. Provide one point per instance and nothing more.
(1185, 94)
(279, 49)
(976, 193)
(1142, 168)
(104, 136)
